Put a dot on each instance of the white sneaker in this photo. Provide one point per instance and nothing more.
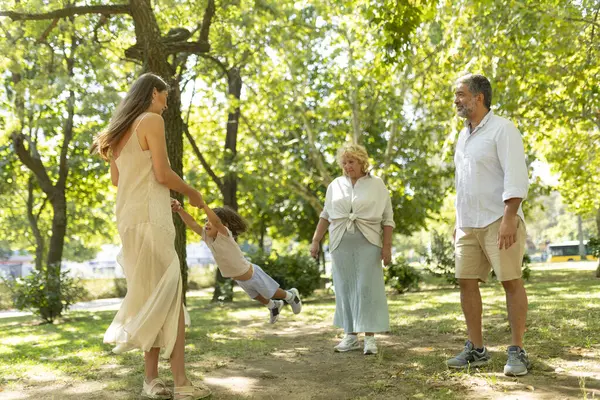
(295, 302)
(274, 312)
(370, 345)
(348, 343)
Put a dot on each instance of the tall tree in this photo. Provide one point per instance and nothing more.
(163, 54)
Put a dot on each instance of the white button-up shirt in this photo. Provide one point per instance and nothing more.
(366, 205)
(490, 168)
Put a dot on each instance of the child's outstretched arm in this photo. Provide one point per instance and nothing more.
(214, 219)
(187, 218)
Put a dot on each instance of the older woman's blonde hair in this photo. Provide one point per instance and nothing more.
(356, 151)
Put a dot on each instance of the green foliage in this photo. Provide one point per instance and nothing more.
(396, 20)
(225, 290)
(314, 75)
(401, 276)
(120, 287)
(293, 270)
(593, 246)
(45, 292)
(439, 261)
(526, 267)
(5, 251)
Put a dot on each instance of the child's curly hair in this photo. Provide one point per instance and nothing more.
(230, 218)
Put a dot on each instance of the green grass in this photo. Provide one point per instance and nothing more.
(427, 327)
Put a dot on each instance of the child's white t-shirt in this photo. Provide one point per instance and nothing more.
(228, 255)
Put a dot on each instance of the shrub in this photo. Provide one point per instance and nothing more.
(401, 276)
(439, 261)
(5, 298)
(593, 246)
(120, 287)
(46, 292)
(526, 271)
(294, 270)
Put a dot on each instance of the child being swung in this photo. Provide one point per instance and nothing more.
(220, 232)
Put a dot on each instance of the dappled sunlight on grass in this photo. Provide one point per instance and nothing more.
(239, 354)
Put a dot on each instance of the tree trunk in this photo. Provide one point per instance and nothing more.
(263, 231)
(33, 223)
(154, 55)
(147, 34)
(174, 135)
(59, 229)
(234, 82)
(582, 251)
(222, 291)
(598, 228)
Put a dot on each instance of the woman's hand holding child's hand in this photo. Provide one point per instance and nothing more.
(196, 199)
(175, 206)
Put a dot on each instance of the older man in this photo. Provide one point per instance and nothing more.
(491, 183)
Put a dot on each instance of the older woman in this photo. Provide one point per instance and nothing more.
(358, 213)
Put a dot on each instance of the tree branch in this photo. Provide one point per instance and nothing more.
(136, 51)
(306, 194)
(68, 12)
(207, 20)
(44, 35)
(390, 145)
(33, 163)
(587, 21)
(214, 59)
(315, 155)
(205, 164)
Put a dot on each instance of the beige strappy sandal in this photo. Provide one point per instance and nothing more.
(156, 390)
(192, 392)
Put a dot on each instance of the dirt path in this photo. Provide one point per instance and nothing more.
(301, 365)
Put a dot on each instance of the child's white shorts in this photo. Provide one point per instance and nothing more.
(260, 284)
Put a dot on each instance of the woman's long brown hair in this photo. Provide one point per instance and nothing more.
(137, 100)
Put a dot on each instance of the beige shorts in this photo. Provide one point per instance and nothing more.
(476, 251)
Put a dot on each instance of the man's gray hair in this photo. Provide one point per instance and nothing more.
(478, 84)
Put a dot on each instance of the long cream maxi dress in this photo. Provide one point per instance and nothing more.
(150, 311)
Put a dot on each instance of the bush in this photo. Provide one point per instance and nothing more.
(5, 298)
(439, 261)
(294, 270)
(526, 271)
(401, 276)
(46, 292)
(593, 246)
(120, 287)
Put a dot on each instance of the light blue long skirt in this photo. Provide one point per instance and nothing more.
(360, 302)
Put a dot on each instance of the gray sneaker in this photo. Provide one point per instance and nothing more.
(518, 362)
(295, 302)
(469, 358)
(275, 311)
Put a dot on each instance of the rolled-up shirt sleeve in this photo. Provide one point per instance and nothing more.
(512, 159)
(388, 212)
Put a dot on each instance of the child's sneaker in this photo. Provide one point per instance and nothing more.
(348, 343)
(295, 301)
(275, 311)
